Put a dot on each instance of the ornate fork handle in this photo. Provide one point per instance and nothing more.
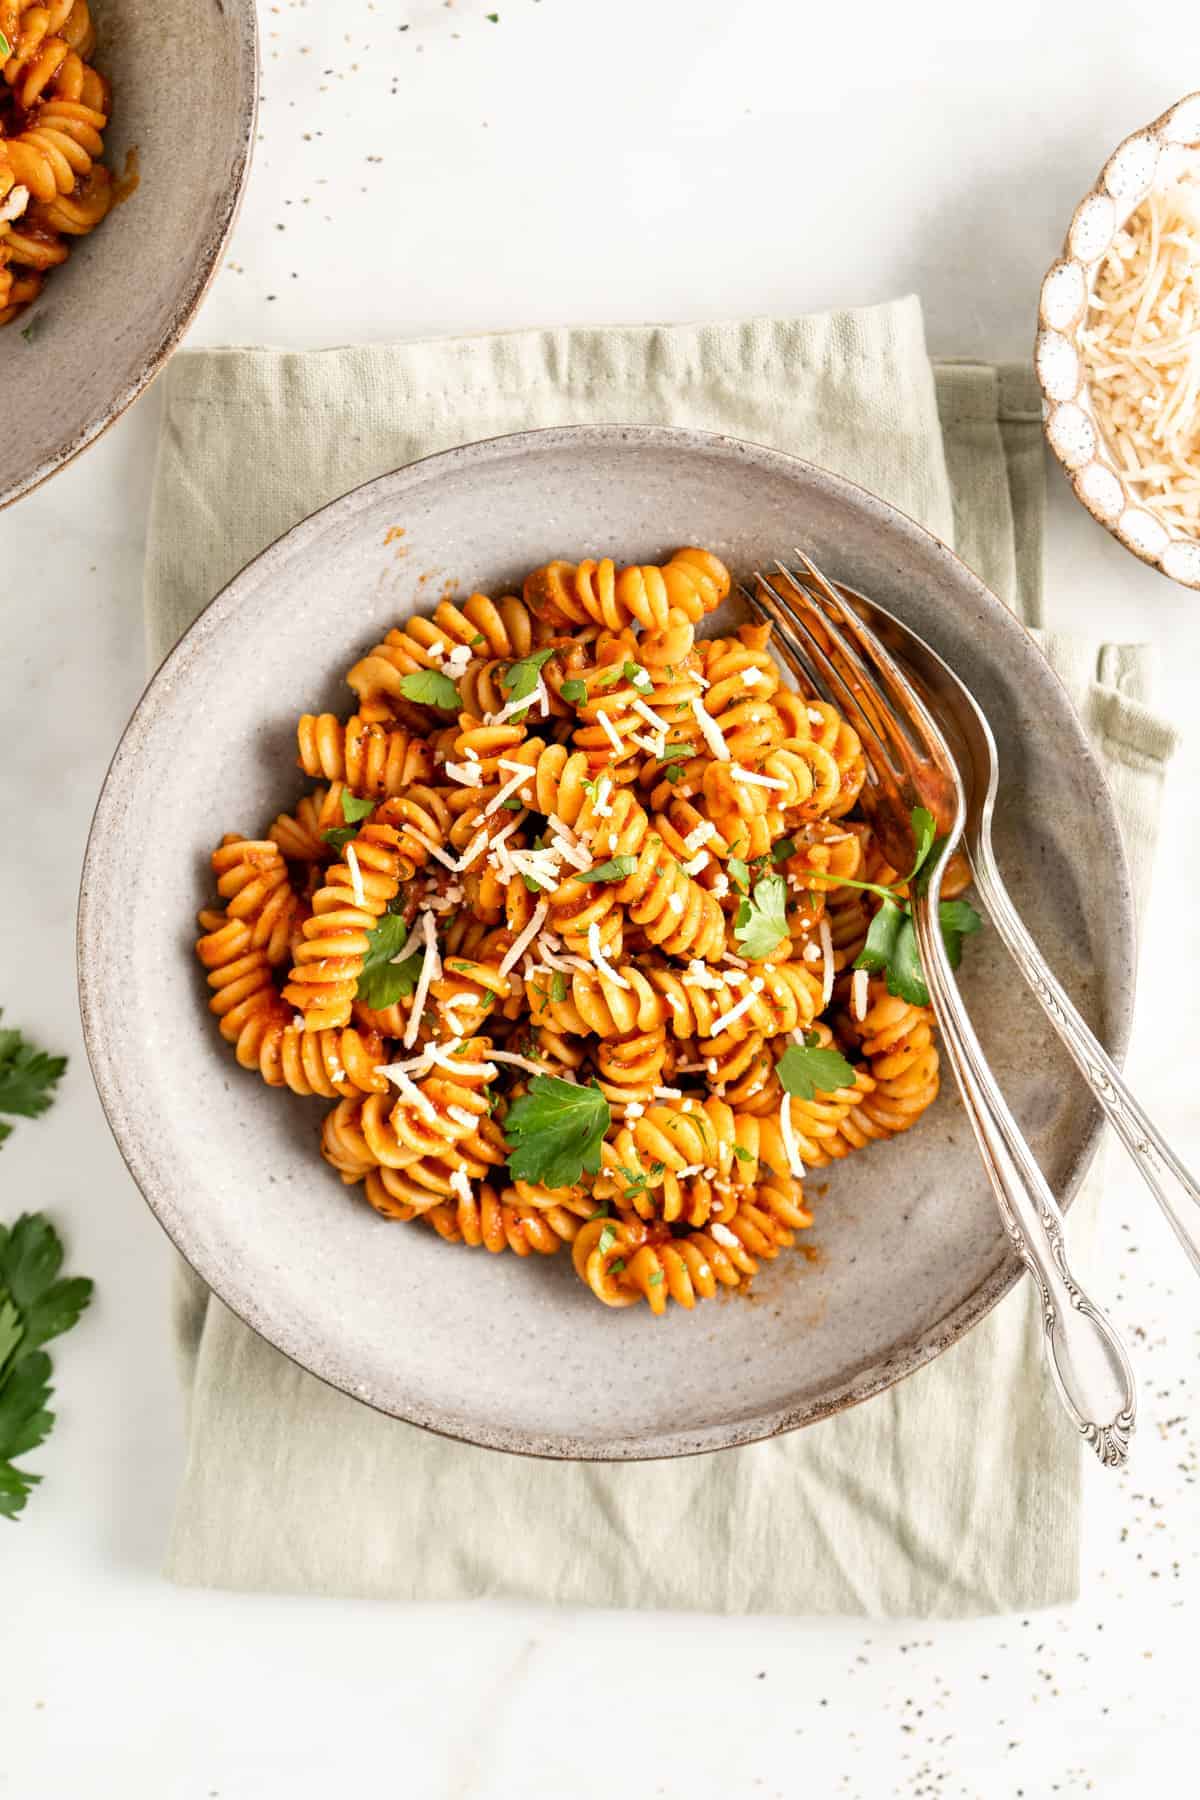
(1141, 1137)
(1086, 1357)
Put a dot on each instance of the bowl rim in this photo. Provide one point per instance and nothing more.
(205, 273)
(314, 1357)
(1097, 478)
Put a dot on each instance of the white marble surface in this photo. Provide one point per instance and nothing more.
(583, 160)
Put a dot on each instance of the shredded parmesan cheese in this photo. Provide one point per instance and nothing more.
(713, 735)
(1142, 348)
(826, 937)
(431, 968)
(858, 993)
(767, 781)
(734, 1013)
(599, 958)
(513, 956)
(723, 1235)
(609, 730)
(789, 1136)
(356, 880)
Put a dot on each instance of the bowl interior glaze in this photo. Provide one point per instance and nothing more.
(907, 1251)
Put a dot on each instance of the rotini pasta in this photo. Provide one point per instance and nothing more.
(576, 893)
(53, 108)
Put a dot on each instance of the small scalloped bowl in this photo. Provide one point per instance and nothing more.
(1148, 159)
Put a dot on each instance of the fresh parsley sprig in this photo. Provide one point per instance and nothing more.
(382, 980)
(891, 944)
(761, 923)
(521, 677)
(354, 811)
(555, 1131)
(28, 1078)
(809, 1069)
(35, 1306)
(430, 687)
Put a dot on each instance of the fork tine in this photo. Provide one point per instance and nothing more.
(899, 693)
(849, 701)
(789, 642)
(858, 674)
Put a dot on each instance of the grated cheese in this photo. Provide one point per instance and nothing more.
(713, 735)
(826, 937)
(513, 956)
(767, 781)
(700, 836)
(431, 968)
(789, 1136)
(858, 993)
(510, 786)
(723, 1235)
(669, 1093)
(751, 677)
(469, 774)
(460, 1181)
(599, 958)
(609, 730)
(698, 862)
(654, 720)
(462, 1117)
(1141, 343)
(356, 880)
(434, 850)
(734, 1013)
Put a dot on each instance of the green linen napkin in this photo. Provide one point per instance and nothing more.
(897, 1507)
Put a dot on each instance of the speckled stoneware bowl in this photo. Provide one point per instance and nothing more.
(1149, 158)
(516, 1353)
(185, 87)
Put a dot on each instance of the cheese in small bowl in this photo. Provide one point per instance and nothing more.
(1118, 349)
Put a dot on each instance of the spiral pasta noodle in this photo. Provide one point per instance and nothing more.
(561, 835)
(54, 107)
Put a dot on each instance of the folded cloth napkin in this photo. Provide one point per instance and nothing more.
(897, 1507)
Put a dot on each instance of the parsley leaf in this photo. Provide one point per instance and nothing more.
(555, 1131)
(339, 836)
(27, 1078)
(611, 674)
(880, 946)
(574, 692)
(674, 772)
(429, 687)
(638, 678)
(477, 639)
(924, 831)
(35, 1305)
(742, 1154)
(558, 986)
(520, 678)
(892, 946)
(905, 976)
(353, 808)
(30, 1258)
(615, 869)
(812, 1070)
(656, 1279)
(5, 48)
(739, 874)
(764, 924)
(11, 1330)
(382, 981)
(783, 849)
(958, 920)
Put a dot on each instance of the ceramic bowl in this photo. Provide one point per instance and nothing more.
(1147, 159)
(907, 1251)
(185, 87)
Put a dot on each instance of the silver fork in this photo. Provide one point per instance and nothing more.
(908, 764)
